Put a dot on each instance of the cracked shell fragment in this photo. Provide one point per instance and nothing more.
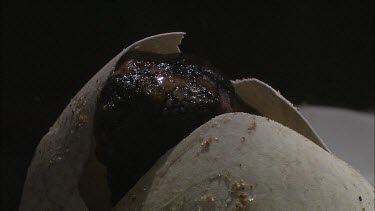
(237, 164)
(56, 171)
(254, 164)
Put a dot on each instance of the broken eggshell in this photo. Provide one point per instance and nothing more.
(239, 161)
(64, 167)
(64, 173)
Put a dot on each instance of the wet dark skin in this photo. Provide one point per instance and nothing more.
(149, 104)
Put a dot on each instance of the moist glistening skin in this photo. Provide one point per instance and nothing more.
(149, 104)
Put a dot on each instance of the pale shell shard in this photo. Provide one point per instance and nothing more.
(53, 176)
(280, 170)
(63, 154)
(273, 105)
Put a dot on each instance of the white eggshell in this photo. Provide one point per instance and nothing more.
(62, 160)
(270, 103)
(239, 161)
(285, 169)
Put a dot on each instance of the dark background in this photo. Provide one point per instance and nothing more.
(312, 52)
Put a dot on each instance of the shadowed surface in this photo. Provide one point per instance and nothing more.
(149, 104)
(318, 52)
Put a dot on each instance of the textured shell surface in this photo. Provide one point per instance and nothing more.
(240, 161)
(54, 174)
(247, 162)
